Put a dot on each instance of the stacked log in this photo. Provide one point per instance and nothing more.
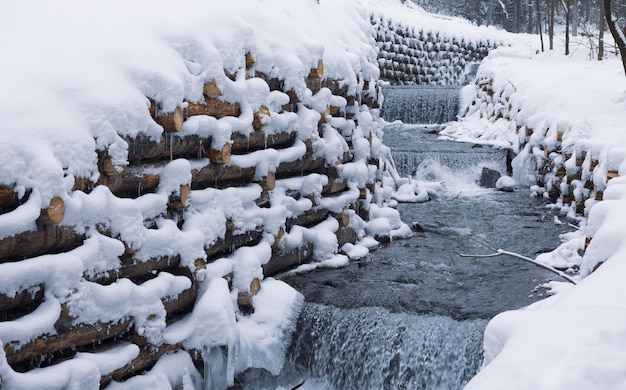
(423, 57)
(211, 167)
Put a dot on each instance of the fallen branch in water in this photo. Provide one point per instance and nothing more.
(500, 252)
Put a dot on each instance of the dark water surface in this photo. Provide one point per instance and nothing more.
(412, 314)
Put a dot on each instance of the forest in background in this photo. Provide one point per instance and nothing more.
(520, 16)
(583, 18)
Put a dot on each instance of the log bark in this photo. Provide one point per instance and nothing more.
(183, 301)
(9, 199)
(148, 356)
(131, 183)
(47, 239)
(170, 146)
(282, 261)
(67, 338)
(23, 299)
(216, 108)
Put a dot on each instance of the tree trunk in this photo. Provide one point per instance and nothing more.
(617, 33)
(601, 33)
(551, 23)
(490, 13)
(567, 5)
(539, 24)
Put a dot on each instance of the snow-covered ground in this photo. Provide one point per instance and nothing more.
(575, 339)
(77, 77)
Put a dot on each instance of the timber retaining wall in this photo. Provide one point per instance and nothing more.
(147, 159)
(413, 55)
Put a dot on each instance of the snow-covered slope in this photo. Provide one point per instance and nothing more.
(565, 118)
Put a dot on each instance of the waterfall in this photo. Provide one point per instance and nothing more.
(410, 162)
(424, 104)
(373, 348)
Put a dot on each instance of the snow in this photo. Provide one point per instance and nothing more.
(81, 77)
(575, 338)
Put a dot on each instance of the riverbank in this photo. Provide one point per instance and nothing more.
(565, 119)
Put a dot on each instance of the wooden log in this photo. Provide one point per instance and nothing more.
(346, 234)
(144, 149)
(66, 338)
(180, 200)
(260, 117)
(22, 303)
(244, 298)
(249, 60)
(216, 108)
(9, 199)
(183, 301)
(559, 135)
(278, 244)
(54, 213)
(317, 71)
(131, 183)
(284, 260)
(343, 218)
(148, 356)
(171, 122)
(258, 140)
(309, 218)
(612, 175)
(220, 156)
(232, 242)
(220, 176)
(211, 90)
(47, 239)
(268, 182)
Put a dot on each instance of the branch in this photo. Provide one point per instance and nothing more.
(500, 252)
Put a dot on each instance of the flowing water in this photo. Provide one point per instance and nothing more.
(412, 314)
(425, 104)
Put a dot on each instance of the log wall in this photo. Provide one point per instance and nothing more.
(568, 173)
(411, 55)
(211, 167)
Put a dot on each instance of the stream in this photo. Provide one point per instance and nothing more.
(411, 315)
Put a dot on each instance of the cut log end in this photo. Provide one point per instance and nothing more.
(180, 200)
(317, 72)
(220, 156)
(260, 117)
(211, 90)
(249, 60)
(54, 213)
(172, 122)
(268, 183)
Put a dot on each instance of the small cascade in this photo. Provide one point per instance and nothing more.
(432, 160)
(423, 104)
(410, 162)
(373, 348)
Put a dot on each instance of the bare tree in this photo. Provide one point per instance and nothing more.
(539, 24)
(567, 5)
(551, 9)
(618, 34)
(601, 33)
